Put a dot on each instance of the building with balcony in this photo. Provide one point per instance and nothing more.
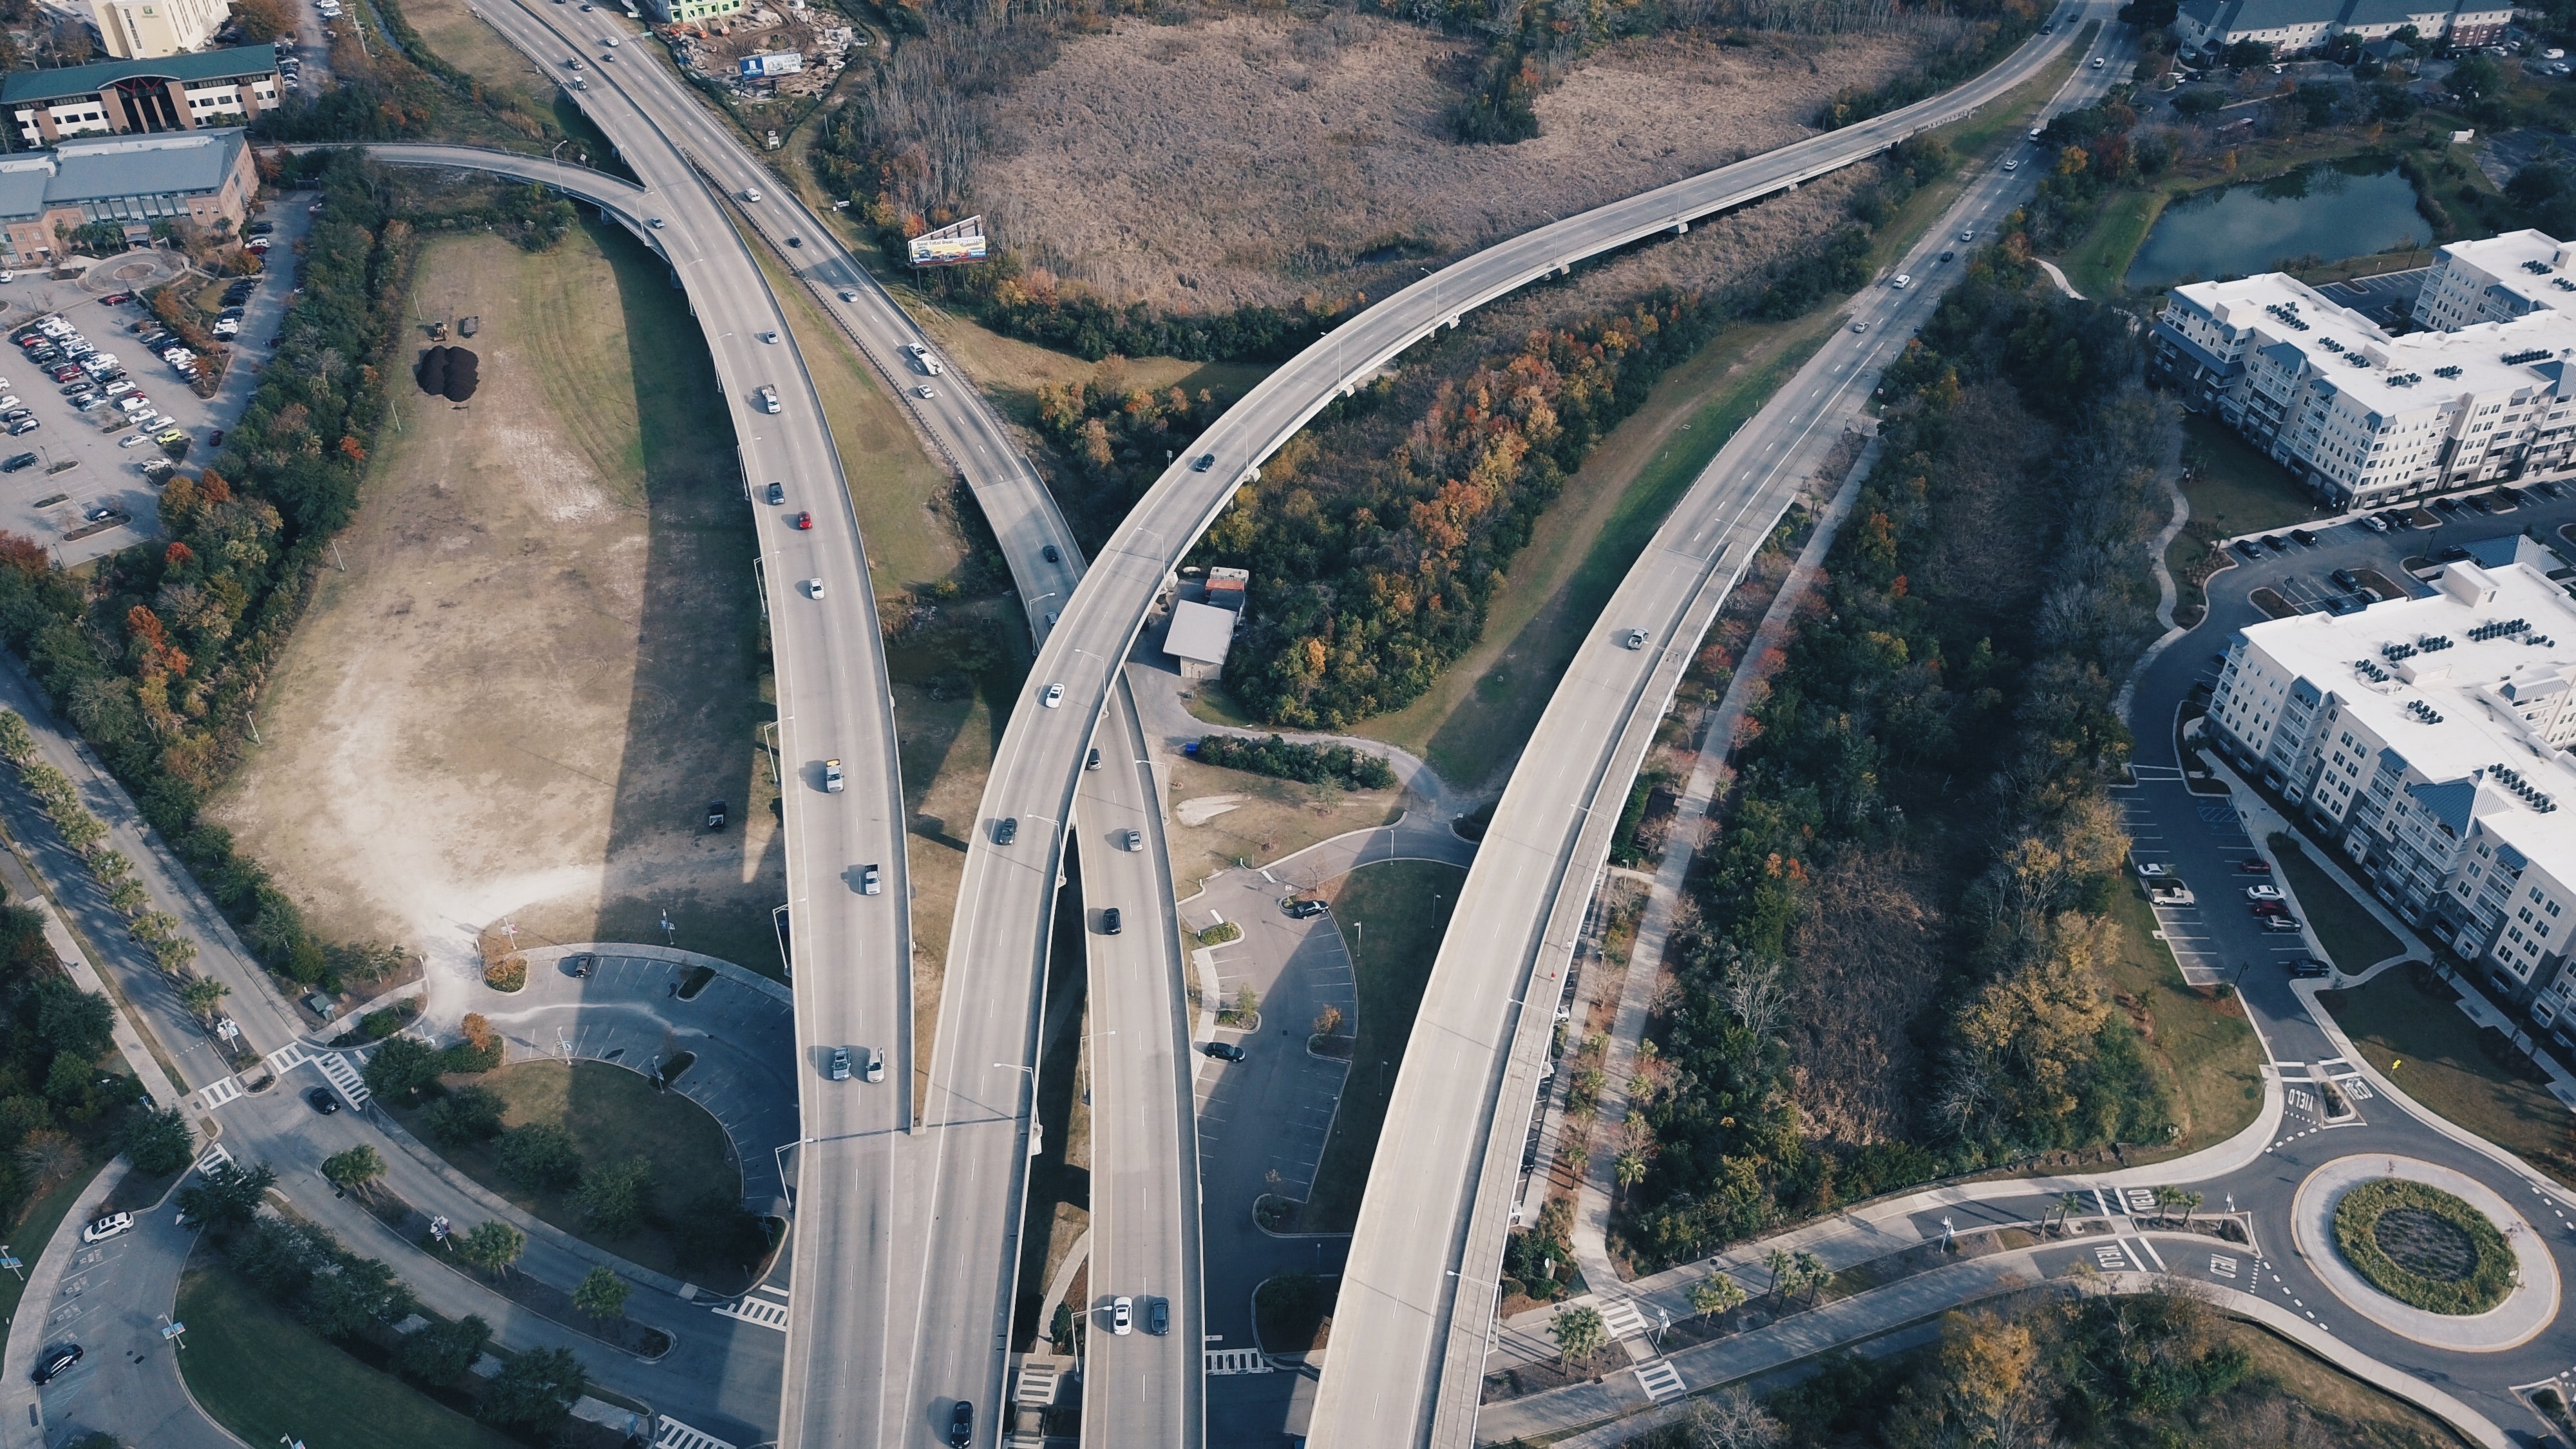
(2427, 739)
(227, 87)
(2292, 26)
(2497, 279)
(141, 29)
(2363, 417)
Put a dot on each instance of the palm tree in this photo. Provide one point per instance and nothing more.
(1813, 1275)
(1630, 1169)
(1714, 1294)
(2190, 1204)
(2068, 1204)
(1778, 1261)
(2166, 1197)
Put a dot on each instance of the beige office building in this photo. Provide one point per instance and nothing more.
(145, 29)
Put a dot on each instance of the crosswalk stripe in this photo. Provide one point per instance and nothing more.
(672, 1434)
(1620, 1315)
(1659, 1379)
(343, 1077)
(1237, 1361)
(767, 1312)
(287, 1058)
(218, 1094)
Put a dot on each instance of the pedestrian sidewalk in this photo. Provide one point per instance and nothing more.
(20, 1426)
(1718, 728)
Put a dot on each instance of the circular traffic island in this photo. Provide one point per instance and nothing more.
(2425, 1251)
(2424, 1247)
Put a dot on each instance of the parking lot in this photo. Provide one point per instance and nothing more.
(2342, 566)
(80, 467)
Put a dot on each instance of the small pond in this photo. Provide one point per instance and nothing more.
(2321, 213)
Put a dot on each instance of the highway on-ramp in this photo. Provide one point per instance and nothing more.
(851, 950)
(893, 1320)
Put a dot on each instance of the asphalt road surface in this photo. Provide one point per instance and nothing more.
(1411, 1325)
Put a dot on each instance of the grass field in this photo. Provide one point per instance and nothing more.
(2423, 1043)
(265, 1376)
(2207, 1051)
(2098, 262)
(2234, 486)
(544, 656)
(2352, 936)
(1392, 917)
(1480, 711)
(613, 1114)
(1269, 819)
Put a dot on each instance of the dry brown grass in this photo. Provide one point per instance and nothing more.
(1269, 819)
(1254, 159)
(1869, 962)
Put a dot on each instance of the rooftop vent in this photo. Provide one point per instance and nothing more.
(2484, 632)
(2446, 372)
(2432, 643)
(2370, 670)
(2517, 359)
(2423, 711)
(2528, 793)
(2536, 268)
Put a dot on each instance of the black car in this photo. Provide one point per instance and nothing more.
(1303, 910)
(1224, 1051)
(23, 460)
(2447, 505)
(2310, 966)
(1109, 921)
(1049, 554)
(2250, 548)
(321, 1100)
(961, 1421)
(796, 241)
(1006, 830)
(2479, 503)
(2545, 490)
(2452, 553)
(2346, 579)
(777, 493)
(2276, 543)
(1158, 1316)
(215, 439)
(2303, 537)
(51, 1366)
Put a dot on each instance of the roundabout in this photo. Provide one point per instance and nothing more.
(2426, 1252)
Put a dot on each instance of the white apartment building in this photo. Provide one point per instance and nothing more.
(2497, 280)
(2429, 739)
(2365, 418)
(2292, 26)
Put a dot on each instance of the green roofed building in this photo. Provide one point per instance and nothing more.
(228, 87)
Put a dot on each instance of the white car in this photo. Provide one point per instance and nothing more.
(8, 402)
(118, 388)
(768, 336)
(113, 1225)
(2263, 893)
(2012, 166)
(610, 41)
(135, 404)
(848, 296)
(1122, 1315)
(654, 222)
(925, 392)
(7, 277)
(1902, 282)
(751, 194)
(813, 588)
(1054, 696)
(136, 440)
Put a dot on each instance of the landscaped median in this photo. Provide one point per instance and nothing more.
(2423, 1246)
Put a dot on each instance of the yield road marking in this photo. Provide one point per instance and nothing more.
(1659, 1379)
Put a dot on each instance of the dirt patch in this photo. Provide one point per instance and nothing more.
(1254, 159)
(545, 656)
(1255, 818)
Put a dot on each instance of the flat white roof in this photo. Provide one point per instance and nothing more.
(2533, 265)
(2390, 375)
(2468, 689)
(1199, 632)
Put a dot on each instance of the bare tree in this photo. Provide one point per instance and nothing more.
(1730, 1420)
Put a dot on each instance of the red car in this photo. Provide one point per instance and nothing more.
(2271, 908)
(117, 299)
(2256, 866)
(804, 520)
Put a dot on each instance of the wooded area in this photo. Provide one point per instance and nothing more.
(1893, 971)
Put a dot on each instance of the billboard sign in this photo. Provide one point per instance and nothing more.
(950, 245)
(770, 63)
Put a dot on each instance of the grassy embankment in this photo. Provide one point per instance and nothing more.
(2424, 1043)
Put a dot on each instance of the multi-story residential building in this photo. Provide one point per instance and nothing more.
(2363, 417)
(2496, 280)
(684, 12)
(2291, 26)
(131, 181)
(2428, 738)
(182, 93)
(141, 29)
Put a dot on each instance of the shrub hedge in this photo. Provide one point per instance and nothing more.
(2356, 1223)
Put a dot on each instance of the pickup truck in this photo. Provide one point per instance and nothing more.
(2169, 893)
(768, 398)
